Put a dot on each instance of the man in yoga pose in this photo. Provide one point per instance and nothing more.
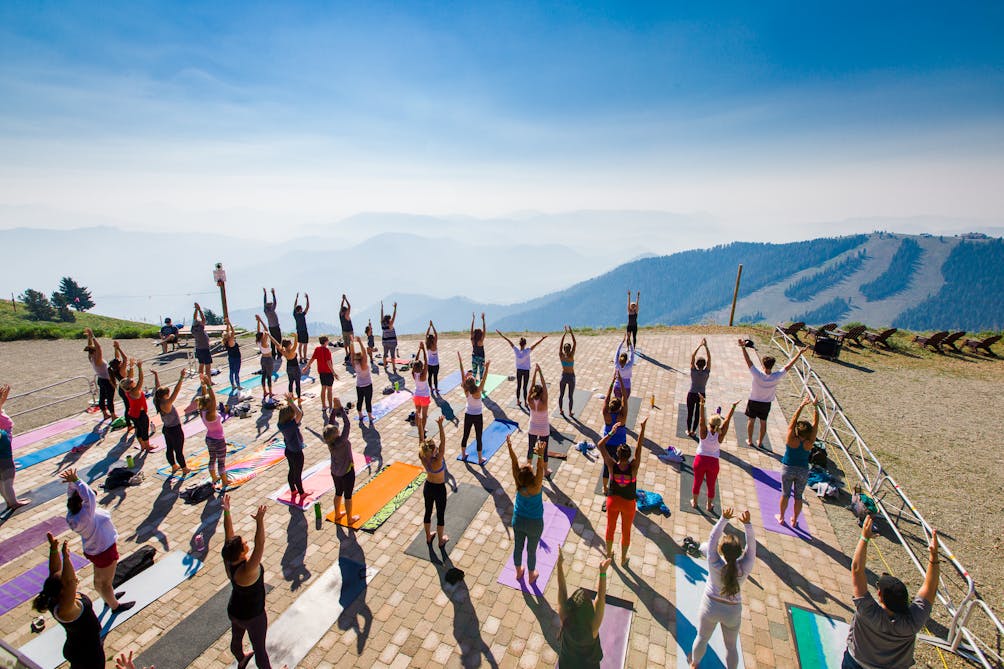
(273, 319)
(763, 391)
(884, 632)
(300, 318)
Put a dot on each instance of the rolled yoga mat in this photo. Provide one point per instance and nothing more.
(317, 482)
(50, 430)
(492, 439)
(580, 398)
(768, 492)
(691, 580)
(686, 470)
(739, 420)
(31, 538)
(461, 507)
(46, 649)
(819, 639)
(26, 586)
(378, 493)
(557, 523)
(41, 455)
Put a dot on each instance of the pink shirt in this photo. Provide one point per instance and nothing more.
(6, 424)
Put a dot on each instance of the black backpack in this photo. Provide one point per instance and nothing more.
(134, 564)
(118, 478)
(194, 494)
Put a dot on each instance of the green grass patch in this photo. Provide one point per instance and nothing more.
(15, 325)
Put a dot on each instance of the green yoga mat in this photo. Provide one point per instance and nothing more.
(819, 640)
(381, 516)
(493, 382)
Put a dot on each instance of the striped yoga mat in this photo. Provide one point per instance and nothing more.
(819, 639)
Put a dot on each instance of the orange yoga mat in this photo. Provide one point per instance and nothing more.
(380, 490)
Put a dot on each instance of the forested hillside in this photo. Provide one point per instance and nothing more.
(898, 275)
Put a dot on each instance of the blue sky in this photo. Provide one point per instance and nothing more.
(150, 113)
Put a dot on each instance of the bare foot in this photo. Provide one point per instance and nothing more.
(779, 519)
(749, 443)
(429, 538)
(354, 518)
(519, 573)
(533, 577)
(625, 561)
(760, 445)
(711, 508)
(482, 461)
(794, 521)
(185, 471)
(693, 502)
(19, 503)
(444, 540)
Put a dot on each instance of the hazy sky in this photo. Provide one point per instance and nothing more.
(171, 114)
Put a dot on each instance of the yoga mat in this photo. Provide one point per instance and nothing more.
(580, 398)
(634, 405)
(493, 382)
(50, 430)
(26, 586)
(449, 382)
(31, 538)
(686, 470)
(681, 422)
(691, 577)
(41, 455)
(390, 402)
(739, 420)
(461, 507)
(246, 384)
(558, 444)
(46, 649)
(252, 462)
(768, 492)
(378, 492)
(190, 429)
(492, 439)
(819, 640)
(184, 643)
(614, 630)
(316, 611)
(38, 496)
(388, 509)
(199, 460)
(557, 523)
(317, 482)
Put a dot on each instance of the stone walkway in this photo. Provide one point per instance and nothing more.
(405, 617)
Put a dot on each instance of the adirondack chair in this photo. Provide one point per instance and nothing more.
(853, 334)
(952, 338)
(933, 341)
(976, 345)
(822, 330)
(880, 338)
(791, 329)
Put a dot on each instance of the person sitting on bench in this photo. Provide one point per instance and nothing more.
(168, 335)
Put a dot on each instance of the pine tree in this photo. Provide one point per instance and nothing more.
(61, 304)
(77, 296)
(212, 318)
(38, 306)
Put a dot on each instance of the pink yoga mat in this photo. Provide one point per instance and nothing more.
(557, 524)
(191, 428)
(768, 492)
(50, 430)
(317, 482)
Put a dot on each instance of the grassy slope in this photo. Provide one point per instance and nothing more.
(15, 325)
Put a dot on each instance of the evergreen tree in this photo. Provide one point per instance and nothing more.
(60, 303)
(77, 296)
(212, 318)
(38, 306)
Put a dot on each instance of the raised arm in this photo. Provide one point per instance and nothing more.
(571, 333)
(297, 412)
(795, 417)
(460, 361)
(393, 316)
(561, 344)
(442, 436)
(92, 342)
(68, 578)
(637, 449)
(746, 353)
(197, 315)
(424, 354)
(54, 563)
(707, 353)
(929, 590)
(513, 460)
(139, 375)
(815, 421)
(435, 335)
(381, 312)
(484, 376)
(507, 340)
(264, 298)
(703, 428)
(177, 386)
(484, 328)
(748, 558)
(259, 540)
(562, 590)
(791, 363)
(600, 607)
(537, 342)
(228, 523)
(260, 326)
(728, 419)
(860, 561)
(472, 325)
(207, 390)
(628, 307)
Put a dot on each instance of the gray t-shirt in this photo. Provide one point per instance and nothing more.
(699, 380)
(199, 335)
(880, 641)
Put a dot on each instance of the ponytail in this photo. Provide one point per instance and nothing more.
(730, 573)
(47, 600)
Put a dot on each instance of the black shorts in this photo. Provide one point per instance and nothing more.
(327, 379)
(344, 483)
(756, 409)
(142, 425)
(302, 337)
(204, 356)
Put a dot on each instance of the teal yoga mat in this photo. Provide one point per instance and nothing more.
(492, 439)
(41, 455)
(819, 640)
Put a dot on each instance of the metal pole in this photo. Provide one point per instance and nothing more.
(735, 295)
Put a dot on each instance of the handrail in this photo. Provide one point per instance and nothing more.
(879, 483)
(91, 390)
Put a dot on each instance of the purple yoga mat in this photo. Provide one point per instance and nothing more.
(557, 523)
(25, 586)
(51, 430)
(19, 544)
(768, 491)
(614, 631)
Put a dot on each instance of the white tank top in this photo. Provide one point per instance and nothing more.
(474, 405)
(421, 387)
(266, 349)
(710, 447)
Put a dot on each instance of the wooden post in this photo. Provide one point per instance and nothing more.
(221, 280)
(735, 295)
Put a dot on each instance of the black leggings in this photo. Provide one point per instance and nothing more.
(567, 382)
(106, 396)
(276, 332)
(345, 483)
(174, 437)
(293, 372)
(693, 411)
(125, 408)
(364, 394)
(434, 377)
(522, 381)
(435, 493)
(478, 423)
(295, 476)
(632, 331)
(256, 628)
(533, 442)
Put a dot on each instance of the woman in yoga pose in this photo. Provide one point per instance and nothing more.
(523, 365)
(174, 435)
(700, 370)
(287, 349)
(566, 356)
(325, 370)
(581, 618)
(624, 367)
(345, 322)
(7, 456)
(246, 607)
(388, 338)
(614, 416)
(288, 424)
(137, 410)
(478, 347)
(83, 648)
(729, 564)
(540, 427)
(261, 340)
(364, 380)
(709, 450)
(370, 343)
(117, 374)
(528, 511)
(433, 458)
(300, 318)
(273, 318)
(632, 324)
(233, 350)
(473, 417)
(422, 396)
(795, 463)
(203, 354)
(343, 471)
(94, 525)
(621, 502)
(432, 351)
(216, 440)
(106, 390)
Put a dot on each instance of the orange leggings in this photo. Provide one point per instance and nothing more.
(625, 508)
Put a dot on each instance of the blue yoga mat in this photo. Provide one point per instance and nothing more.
(449, 382)
(492, 439)
(691, 581)
(85, 439)
(252, 382)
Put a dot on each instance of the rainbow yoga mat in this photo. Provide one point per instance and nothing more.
(252, 462)
(198, 462)
(819, 640)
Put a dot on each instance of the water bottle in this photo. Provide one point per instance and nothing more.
(396, 386)
(200, 543)
(652, 402)
(317, 510)
(129, 461)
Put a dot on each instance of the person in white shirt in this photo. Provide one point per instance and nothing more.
(763, 390)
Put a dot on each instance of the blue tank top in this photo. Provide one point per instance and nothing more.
(528, 506)
(619, 437)
(796, 457)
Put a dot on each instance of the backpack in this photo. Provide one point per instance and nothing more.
(134, 564)
(196, 493)
(817, 456)
(118, 478)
